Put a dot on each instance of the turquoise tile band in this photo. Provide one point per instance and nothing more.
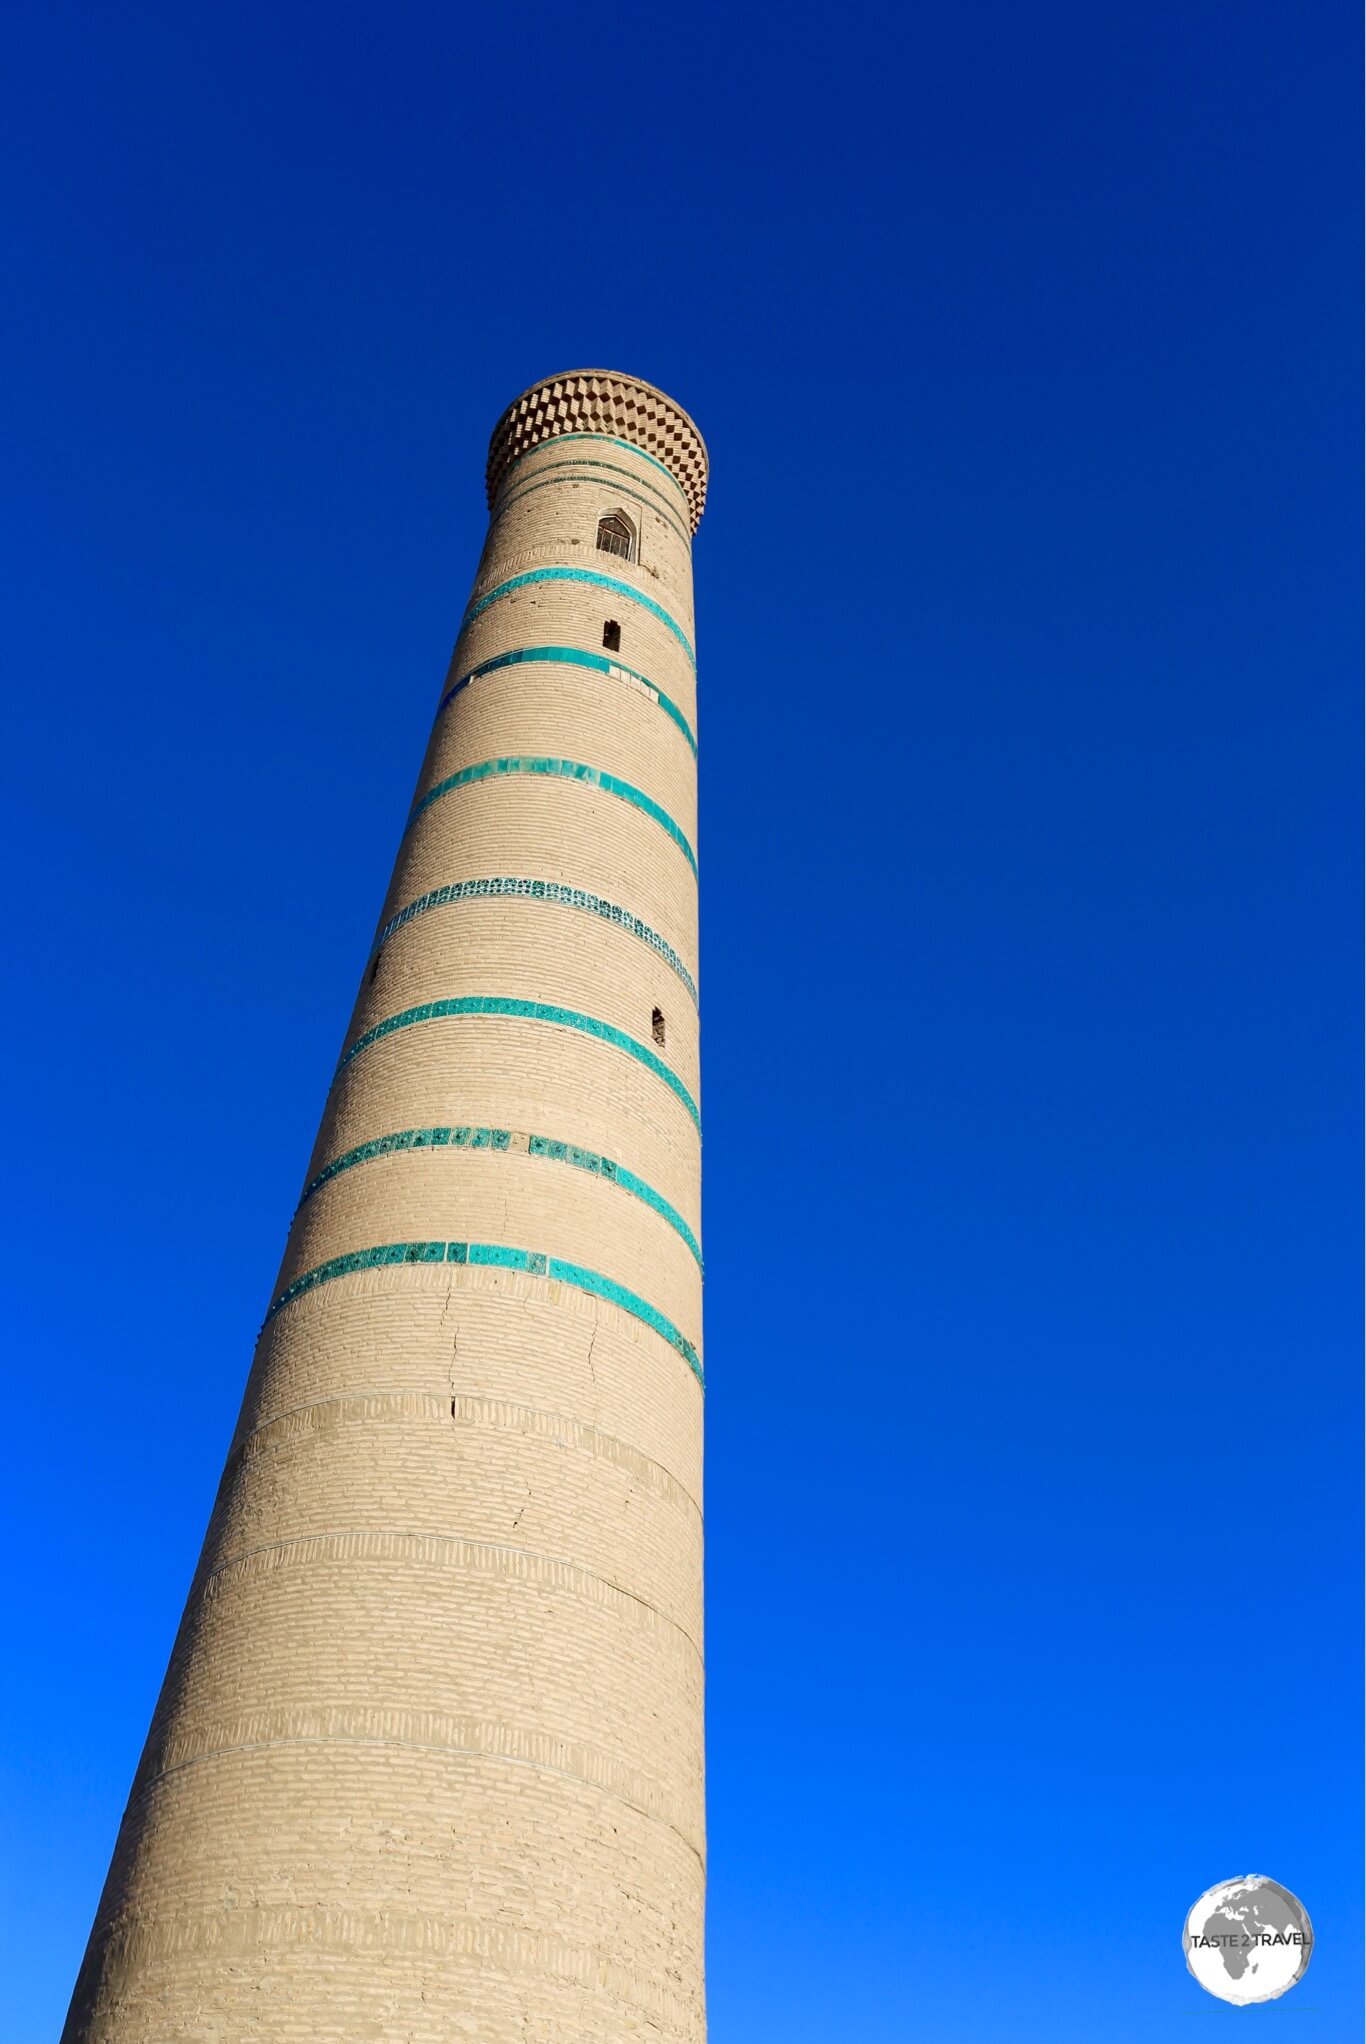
(571, 656)
(467, 1138)
(465, 1005)
(607, 1167)
(559, 769)
(631, 1302)
(498, 1256)
(594, 580)
(558, 440)
(500, 1140)
(539, 890)
(578, 473)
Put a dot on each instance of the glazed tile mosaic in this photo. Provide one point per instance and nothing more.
(538, 890)
(594, 580)
(532, 1263)
(530, 1011)
(559, 769)
(503, 1139)
(572, 656)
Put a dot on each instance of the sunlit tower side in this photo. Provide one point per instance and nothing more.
(427, 1761)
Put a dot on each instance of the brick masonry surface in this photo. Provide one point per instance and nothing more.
(427, 1761)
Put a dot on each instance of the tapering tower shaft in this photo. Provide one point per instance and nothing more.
(427, 1761)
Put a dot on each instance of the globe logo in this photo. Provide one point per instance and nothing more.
(1248, 1940)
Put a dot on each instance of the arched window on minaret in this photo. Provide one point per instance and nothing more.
(617, 535)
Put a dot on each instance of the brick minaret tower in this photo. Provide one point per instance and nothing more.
(427, 1761)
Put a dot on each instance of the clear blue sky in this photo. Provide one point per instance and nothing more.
(1025, 341)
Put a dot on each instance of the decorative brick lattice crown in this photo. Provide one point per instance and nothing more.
(601, 401)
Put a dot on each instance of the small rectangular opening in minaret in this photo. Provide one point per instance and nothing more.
(657, 1025)
(611, 635)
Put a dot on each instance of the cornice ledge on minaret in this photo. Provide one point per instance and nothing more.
(602, 401)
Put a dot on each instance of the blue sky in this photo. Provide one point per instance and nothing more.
(1025, 343)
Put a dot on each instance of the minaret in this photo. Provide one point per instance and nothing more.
(427, 1762)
